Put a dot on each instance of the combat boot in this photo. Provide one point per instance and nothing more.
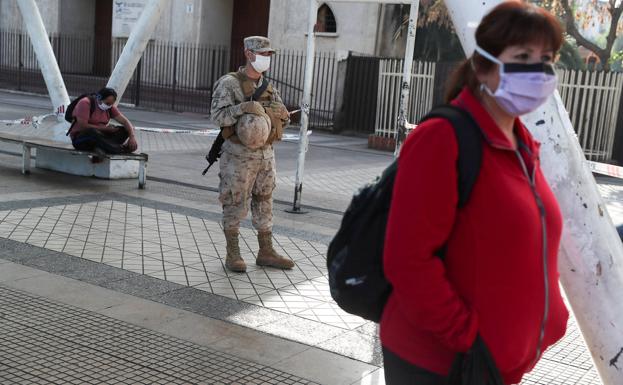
(267, 256)
(234, 261)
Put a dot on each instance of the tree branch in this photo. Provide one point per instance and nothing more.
(572, 30)
(615, 15)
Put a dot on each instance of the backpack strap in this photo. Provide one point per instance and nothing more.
(92, 105)
(258, 91)
(469, 138)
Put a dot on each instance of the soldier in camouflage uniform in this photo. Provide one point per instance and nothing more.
(247, 170)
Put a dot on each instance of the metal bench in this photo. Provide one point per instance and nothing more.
(47, 145)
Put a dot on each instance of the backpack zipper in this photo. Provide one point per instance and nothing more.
(539, 202)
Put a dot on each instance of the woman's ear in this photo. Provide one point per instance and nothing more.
(480, 75)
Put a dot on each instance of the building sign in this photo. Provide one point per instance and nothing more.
(125, 15)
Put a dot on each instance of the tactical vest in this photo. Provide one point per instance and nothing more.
(266, 99)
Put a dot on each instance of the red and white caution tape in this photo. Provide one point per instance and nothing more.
(206, 132)
(34, 121)
(606, 169)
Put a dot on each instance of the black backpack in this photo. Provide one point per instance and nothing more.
(69, 112)
(355, 255)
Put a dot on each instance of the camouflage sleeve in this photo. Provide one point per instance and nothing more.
(224, 110)
(277, 96)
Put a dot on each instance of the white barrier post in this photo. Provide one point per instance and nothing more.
(401, 132)
(305, 105)
(47, 62)
(307, 87)
(135, 46)
(591, 253)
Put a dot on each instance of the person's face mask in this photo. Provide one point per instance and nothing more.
(523, 87)
(261, 63)
(103, 106)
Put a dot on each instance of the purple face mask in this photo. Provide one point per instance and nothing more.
(523, 87)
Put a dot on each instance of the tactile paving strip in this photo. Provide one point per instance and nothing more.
(44, 342)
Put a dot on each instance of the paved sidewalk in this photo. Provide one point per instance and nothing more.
(58, 330)
(158, 253)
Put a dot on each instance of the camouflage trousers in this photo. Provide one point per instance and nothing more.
(245, 179)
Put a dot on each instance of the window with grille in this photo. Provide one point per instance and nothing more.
(325, 21)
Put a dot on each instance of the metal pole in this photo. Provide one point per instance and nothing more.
(401, 132)
(21, 62)
(305, 105)
(135, 46)
(174, 77)
(591, 253)
(137, 85)
(47, 60)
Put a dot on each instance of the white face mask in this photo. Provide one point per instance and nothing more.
(103, 106)
(261, 63)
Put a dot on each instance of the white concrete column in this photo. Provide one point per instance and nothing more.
(47, 63)
(591, 253)
(135, 46)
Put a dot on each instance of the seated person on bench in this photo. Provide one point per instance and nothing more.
(90, 130)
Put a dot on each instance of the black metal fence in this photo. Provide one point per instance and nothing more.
(170, 76)
(357, 111)
(357, 107)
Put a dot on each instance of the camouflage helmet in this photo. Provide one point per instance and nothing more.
(258, 44)
(253, 130)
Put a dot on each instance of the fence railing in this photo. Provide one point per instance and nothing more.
(388, 97)
(170, 76)
(287, 72)
(592, 100)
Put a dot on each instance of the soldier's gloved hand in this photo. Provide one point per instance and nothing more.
(252, 108)
(279, 110)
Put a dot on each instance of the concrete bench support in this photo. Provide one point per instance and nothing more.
(64, 158)
(26, 157)
(142, 174)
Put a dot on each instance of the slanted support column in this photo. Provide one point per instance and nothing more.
(47, 62)
(591, 252)
(135, 46)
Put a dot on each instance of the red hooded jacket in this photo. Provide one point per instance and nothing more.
(500, 273)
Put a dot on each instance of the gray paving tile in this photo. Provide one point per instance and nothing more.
(141, 286)
(360, 346)
(300, 330)
(374, 378)
(68, 291)
(329, 368)
(219, 307)
(11, 272)
(258, 347)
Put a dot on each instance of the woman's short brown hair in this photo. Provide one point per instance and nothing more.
(510, 23)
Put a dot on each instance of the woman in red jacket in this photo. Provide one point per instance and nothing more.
(499, 278)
